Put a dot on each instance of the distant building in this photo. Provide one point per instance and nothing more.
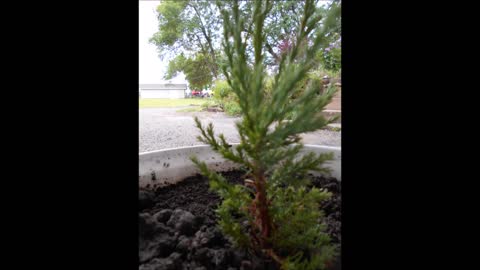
(165, 90)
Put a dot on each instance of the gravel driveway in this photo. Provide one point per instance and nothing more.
(162, 128)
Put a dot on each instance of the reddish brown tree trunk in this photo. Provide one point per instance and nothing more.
(263, 220)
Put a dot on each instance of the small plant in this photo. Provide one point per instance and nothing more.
(331, 58)
(221, 90)
(232, 108)
(226, 98)
(283, 215)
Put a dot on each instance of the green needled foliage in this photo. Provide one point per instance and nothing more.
(284, 217)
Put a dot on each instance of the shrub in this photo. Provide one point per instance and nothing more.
(232, 108)
(221, 90)
(226, 98)
(331, 56)
(283, 216)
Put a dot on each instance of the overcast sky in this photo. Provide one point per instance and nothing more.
(151, 68)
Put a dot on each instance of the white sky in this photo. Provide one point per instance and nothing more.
(151, 68)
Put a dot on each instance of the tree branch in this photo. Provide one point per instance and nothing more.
(208, 38)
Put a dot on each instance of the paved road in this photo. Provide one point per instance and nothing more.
(162, 128)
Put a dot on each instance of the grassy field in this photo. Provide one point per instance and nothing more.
(169, 103)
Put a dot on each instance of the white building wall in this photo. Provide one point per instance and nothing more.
(177, 93)
(180, 93)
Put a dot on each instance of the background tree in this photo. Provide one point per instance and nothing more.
(194, 26)
(197, 72)
(191, 27)
(175, 66)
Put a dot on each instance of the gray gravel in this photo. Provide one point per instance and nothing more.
(162, 128)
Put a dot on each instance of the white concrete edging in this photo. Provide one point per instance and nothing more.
(168, 166)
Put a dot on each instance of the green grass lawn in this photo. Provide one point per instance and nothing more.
(169, 103)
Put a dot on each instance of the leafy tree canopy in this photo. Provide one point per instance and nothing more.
(193, 27)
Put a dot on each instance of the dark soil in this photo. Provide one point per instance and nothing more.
(178, 227)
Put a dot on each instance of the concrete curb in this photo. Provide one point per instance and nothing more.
(169, 166)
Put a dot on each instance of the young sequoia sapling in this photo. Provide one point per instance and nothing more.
(283, 215)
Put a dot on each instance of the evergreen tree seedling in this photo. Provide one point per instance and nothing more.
(283, 215)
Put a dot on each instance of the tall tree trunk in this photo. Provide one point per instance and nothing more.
(207, 37)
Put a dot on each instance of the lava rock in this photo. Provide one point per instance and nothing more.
(220, 258)
(186, 266)
(199, 220)
(159, 264)
(176, 259)
(210, 237)
(162, 228)
(238, 256)
(162, 246)
(183, 221)
(202, 256)
(146, 224)
(184, 244)
(163, 215)
(147, 253)
(145, 199)
(165, 244)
